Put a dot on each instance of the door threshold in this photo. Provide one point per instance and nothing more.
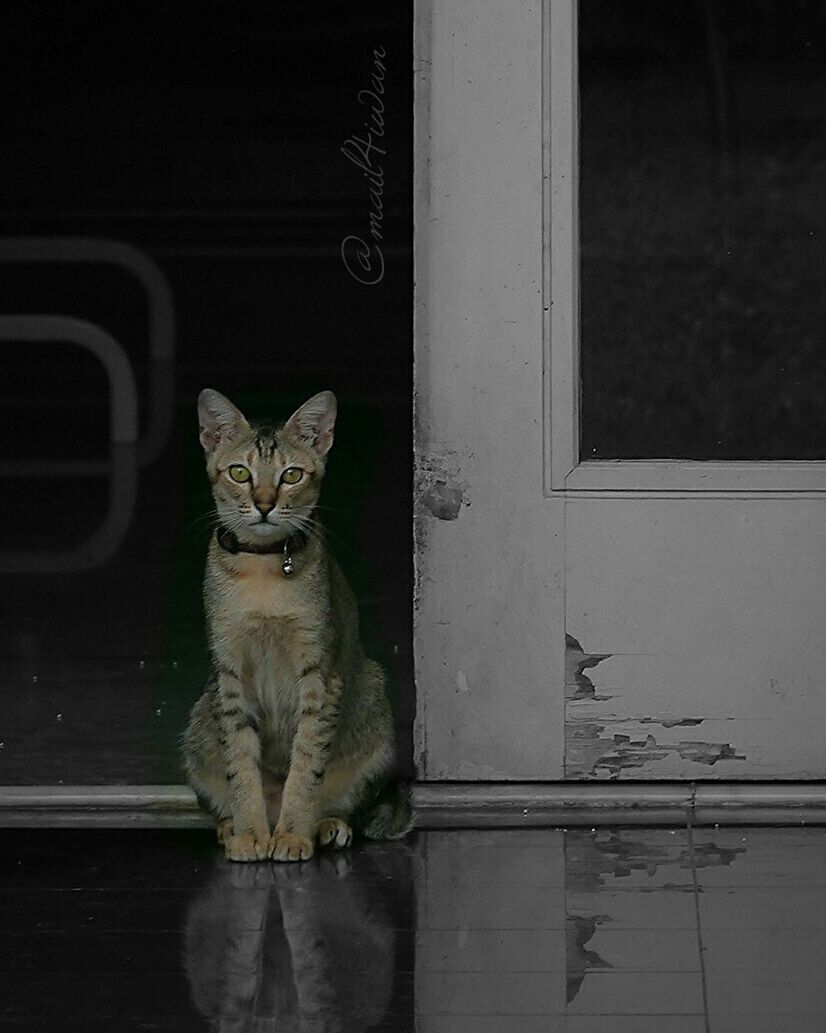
(443, 805)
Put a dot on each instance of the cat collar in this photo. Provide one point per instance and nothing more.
(228, 541)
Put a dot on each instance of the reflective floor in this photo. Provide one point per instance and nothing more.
(626, 930)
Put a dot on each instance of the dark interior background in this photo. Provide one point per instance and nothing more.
(208, 136)
(703, 229)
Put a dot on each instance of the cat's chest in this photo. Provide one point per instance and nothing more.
(266, 626)
(254, 600)
(270, 636)
(270, 650)
(270, 653)
(261, 590)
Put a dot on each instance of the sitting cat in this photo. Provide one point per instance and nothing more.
(288, 744)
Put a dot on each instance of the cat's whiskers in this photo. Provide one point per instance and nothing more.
(210, 517)
(236, 522)
(304, 524)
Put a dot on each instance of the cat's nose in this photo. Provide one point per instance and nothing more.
(264, 497)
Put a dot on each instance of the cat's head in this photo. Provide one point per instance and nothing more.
(265, 477)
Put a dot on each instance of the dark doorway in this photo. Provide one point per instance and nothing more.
(207, 142)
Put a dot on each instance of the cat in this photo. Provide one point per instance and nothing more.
(289, 745)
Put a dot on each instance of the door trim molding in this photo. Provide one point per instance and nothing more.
(488, 616)
(453, 805)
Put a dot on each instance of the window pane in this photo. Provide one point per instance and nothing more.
(703, 229)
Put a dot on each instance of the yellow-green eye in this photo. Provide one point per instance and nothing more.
(240, 474)
(292, 475)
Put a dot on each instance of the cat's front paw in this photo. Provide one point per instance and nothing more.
(289, 846)
(245, 846)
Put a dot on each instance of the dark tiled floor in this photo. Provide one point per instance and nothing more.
(579, 931)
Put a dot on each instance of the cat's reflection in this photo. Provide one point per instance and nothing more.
(297, 947)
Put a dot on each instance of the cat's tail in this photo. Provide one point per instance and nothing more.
(388, 812)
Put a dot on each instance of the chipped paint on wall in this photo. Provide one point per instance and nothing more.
(596, 755)
(604, 742)
(439, 490)
(672, 722)
(443, 499)
(439, 493)
(577, 684)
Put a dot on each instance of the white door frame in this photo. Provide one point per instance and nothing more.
(490, 703)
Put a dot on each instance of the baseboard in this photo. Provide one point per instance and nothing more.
(142, 806)
(440, 805)
(563, 804)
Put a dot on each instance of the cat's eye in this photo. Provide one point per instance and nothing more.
(292, 475)
(239, 474)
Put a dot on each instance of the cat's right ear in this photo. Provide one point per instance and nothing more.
(219, 419)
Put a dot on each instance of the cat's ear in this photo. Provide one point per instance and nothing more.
(312, 424)
(219, 420)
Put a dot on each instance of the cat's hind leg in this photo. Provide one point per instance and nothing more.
(211, 795)
(340, 794)
(205, 773)
(335, 833)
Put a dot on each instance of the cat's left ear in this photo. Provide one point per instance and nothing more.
(312, 424)
(219, 420)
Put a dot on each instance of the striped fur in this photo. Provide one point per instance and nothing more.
(294, 732)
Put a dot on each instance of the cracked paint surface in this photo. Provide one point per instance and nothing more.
(603, 741)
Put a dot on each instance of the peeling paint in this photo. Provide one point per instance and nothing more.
(671, 722)
(595, 755)
(708, 753)
(577, 684)
(444, 500)
(439, 489)
(462, 682)
(594, 751)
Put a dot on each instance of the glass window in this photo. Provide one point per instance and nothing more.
(702, 219)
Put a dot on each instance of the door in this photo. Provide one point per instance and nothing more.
(595, 605)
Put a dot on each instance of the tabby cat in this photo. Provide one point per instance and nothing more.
(288, 745)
